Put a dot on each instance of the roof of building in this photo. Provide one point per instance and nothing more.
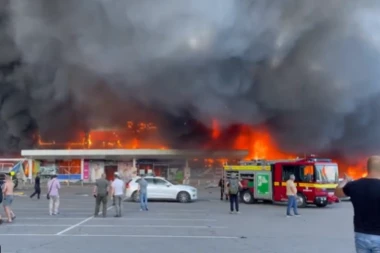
(120, 154)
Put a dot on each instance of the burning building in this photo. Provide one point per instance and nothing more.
(241, 74)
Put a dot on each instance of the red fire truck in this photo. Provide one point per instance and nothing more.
(265, 180)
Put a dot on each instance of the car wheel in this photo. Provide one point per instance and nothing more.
(183, 197)
(301, 200)
(136, 196)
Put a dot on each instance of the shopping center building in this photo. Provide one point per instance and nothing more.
(182, 166)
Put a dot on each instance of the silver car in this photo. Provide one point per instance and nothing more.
(161, 189)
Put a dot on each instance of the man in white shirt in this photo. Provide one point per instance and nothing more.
(118, 189)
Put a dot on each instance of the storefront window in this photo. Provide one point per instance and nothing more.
(69, 167)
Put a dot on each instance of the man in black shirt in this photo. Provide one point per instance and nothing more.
(37, 187)
(365, 198)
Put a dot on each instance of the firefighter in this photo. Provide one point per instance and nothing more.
(12, 174)
(222, 186)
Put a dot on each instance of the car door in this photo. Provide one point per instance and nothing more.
(165, 189)
(151, 189)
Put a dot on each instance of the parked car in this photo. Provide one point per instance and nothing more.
(161, 189)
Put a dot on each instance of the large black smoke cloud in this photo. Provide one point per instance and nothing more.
(307, 69)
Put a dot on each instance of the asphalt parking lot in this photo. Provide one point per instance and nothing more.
(203, 226)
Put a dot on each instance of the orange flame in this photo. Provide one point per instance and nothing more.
(260, 144)
(355, 170)
(215, 129)
(133, 136)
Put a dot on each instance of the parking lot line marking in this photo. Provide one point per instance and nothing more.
(46, 218)
(198, 214)
(163, 219)
(46, 210)
(78, 224)
(62, 212)
(182, 210)
(160, 236)
(75, 225)
(23, 208)
(148, 219)
(28, 235)
(155, 226)
(119, 226)
(40, 225)
(131, 236)
(133, 211)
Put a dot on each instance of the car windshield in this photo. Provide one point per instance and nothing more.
(173, 182)
(326, 173)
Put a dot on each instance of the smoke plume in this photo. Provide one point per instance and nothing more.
(308, 70)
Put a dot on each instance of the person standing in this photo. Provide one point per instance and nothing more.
(223, 187)
(113, 197)
(233, 190)
(53, 195)
(37, 187)
(101, 191)
(118, 188)
(365, 196)
(8, 198)
(291, 192)
(143, 191)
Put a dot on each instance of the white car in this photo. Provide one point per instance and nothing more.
(159, 188)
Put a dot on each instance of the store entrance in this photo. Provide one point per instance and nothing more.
(110, 172)
(161, 170)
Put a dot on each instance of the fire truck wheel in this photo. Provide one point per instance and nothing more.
(183, 197)
(301, 200)
(136, 197)
(247, 197)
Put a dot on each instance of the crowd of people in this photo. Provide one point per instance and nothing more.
(103, 190)
(364, 194)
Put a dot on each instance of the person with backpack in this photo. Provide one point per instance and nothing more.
(234, 187)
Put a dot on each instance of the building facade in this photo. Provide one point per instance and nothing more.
(180, 166)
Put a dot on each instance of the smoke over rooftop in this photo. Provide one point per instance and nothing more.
(308, 70)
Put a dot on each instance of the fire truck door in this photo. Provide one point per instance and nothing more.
(263, 185)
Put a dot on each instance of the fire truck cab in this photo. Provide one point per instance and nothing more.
(265, 180)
